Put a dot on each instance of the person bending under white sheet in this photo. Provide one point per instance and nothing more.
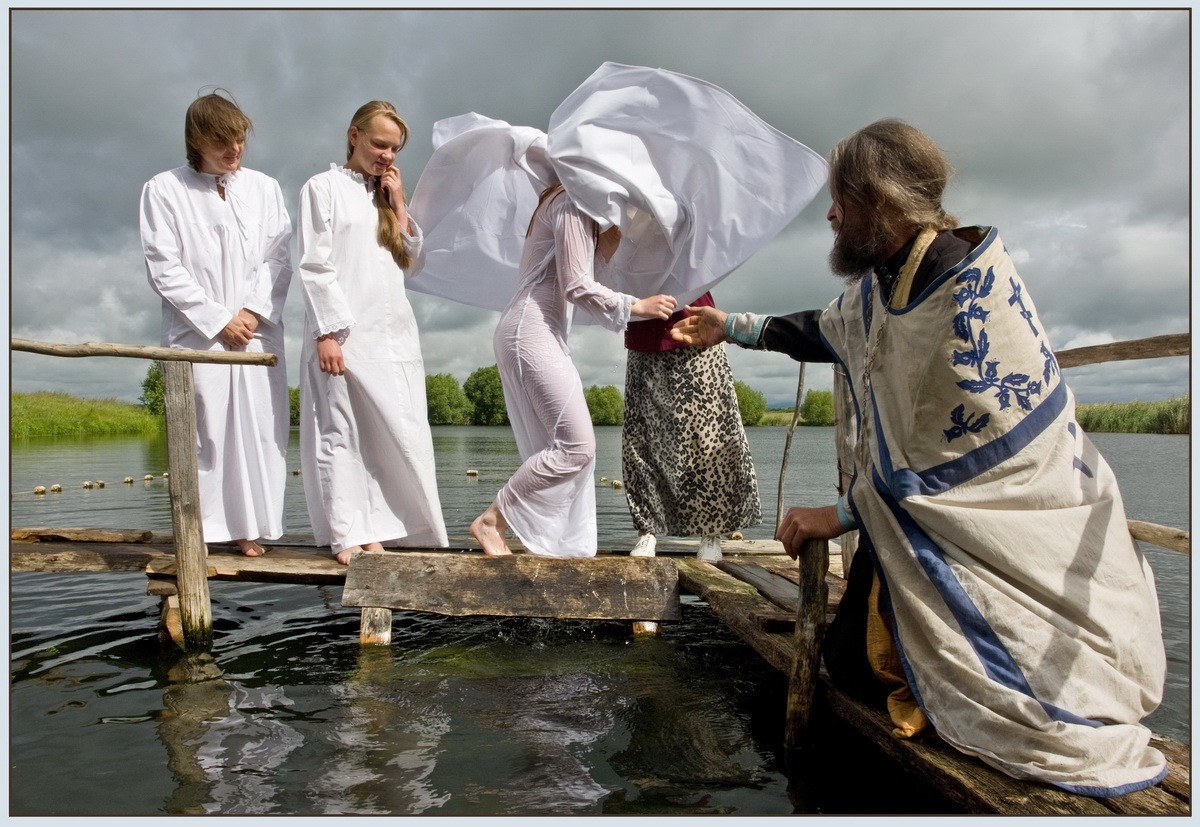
(550, 502)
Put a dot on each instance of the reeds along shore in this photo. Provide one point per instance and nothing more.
(46, 414)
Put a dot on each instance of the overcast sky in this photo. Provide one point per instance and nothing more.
(1069, 131)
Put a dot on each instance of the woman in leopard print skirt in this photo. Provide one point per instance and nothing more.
(686, 461)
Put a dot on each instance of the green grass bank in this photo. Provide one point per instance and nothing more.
(1170, 416)
(46, 414)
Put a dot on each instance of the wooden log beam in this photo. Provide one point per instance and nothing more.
(84, 535)
(1174, 539)
(520, 585)
(1154, 347)
(195, 608)
(163, 354)
(375, 627)
(50, 556)
(810, 631)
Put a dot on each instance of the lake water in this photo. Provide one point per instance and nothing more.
(460, 716)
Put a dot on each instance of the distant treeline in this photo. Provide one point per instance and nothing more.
(480, 401)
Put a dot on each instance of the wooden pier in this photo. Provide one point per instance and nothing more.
(754, 591)
(775, 606)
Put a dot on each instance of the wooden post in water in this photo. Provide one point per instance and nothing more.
(375, 627)
(810, 631)
(195, 610)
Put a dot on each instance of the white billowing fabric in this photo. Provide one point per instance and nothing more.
(695, 180)
(208, 258)
(1026, 617)
(366, 448)
(550, 501)
(473, 200)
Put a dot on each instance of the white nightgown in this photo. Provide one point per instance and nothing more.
(365, 444)
(550, 502)
(208, 258)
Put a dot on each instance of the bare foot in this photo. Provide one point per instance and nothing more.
(488, 529)
(251, 548)
(373, 547)
(345, 554)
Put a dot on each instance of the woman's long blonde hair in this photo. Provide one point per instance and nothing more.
(389, 236)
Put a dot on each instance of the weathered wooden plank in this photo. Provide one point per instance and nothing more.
(519, 585)
(86, 535)
(280, 565)
(967, 782)
(1175, 539)
(54, 556)
(1153, 801)
(738, 605)
(1154, 347)
(783, 592)
(1179, 758)
(277, 566)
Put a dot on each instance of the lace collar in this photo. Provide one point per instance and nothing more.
(356, 177)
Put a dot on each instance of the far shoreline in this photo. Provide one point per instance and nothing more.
(51, 414)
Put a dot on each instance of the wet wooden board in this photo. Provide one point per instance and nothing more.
(518, 585)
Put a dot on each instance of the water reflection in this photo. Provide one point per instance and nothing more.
(225, 742)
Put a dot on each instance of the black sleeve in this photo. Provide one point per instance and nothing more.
(798, 335)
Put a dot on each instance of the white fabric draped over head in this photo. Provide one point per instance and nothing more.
(696, 182)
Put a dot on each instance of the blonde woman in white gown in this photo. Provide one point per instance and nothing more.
(550, 502)
(365, 444)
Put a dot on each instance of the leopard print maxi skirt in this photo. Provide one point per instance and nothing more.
(684, 454)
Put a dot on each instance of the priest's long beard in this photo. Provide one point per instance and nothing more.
(858, 249)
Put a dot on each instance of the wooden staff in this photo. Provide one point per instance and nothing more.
(164, 354)
(787, 447)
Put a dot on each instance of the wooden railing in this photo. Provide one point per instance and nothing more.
(183, 482)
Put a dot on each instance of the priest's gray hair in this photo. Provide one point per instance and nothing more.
(896, 168)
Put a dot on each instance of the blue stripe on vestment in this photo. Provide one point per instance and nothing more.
(997, 662)
(906, 482)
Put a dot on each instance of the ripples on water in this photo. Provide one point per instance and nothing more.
(462, 716)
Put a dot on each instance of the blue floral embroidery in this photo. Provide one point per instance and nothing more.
(1012, 387)
(1050, 366)
(1017, 297)
(964, 423)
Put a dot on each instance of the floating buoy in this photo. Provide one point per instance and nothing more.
(618, 484)
(54, 489)
(295, 472)
(87, 483)
(99, 483)
(737, 535)
(166, 474)
(604, 480)
(39, 489)
(148, 477)
(128, 480)
(471, 472)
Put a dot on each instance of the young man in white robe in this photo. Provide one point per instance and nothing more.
(216, 238)
(997, 594)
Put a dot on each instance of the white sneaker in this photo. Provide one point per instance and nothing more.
(710, 549)
(644, 547)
